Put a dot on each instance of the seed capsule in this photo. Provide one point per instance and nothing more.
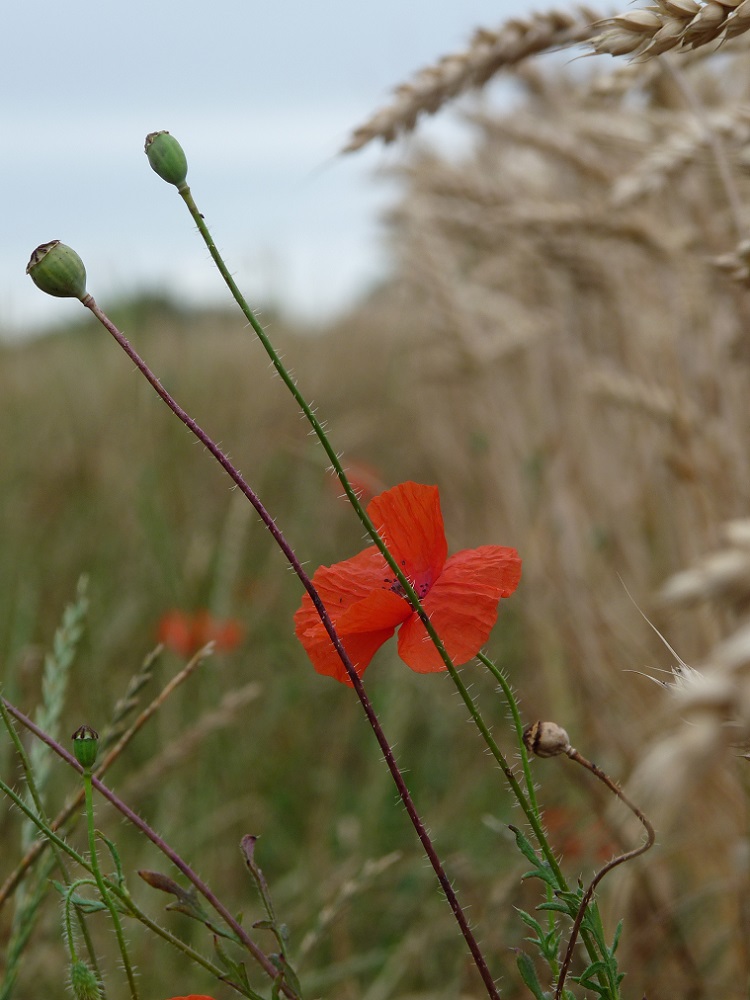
(166, 157)
(85, 746)
(545, 739)
(57, 270)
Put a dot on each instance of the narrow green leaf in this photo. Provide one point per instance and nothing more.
(87, 905)
(115, 857)
(531, 922)
(588, 976)
(528, 974)
(616, 941)
(544, 873)
(237, 970)
(288, 975)
(524, 846)
(557, 905)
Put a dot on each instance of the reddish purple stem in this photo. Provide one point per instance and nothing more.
(281, 541)
(154, 837)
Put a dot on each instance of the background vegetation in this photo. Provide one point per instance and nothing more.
(563, 349)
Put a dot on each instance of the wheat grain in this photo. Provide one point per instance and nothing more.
(671, 24)
(488, 53)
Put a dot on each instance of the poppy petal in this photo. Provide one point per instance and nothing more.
(409, 520)
(359, 648)
(347, 582)
(462, 606)
(364, 613)
(362, 629)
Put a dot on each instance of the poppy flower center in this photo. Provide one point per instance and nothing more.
(421, 589)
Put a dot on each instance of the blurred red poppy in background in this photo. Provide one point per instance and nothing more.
(367, 604)
(187, 633)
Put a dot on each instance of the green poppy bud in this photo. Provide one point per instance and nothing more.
(83, 983)
(58, 270)
(85, 746)
(166, 157)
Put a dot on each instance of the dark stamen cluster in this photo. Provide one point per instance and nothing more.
(391, 583)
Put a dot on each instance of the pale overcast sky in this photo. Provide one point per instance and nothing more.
(260, 94)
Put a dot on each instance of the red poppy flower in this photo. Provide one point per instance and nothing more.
(366, 603)
(186, 634)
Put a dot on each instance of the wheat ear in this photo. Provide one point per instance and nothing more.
(488, 52)
(671, 24)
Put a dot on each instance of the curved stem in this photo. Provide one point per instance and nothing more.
(532, 813)
(574, 755)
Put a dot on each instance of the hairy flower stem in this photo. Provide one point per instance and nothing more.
(103, 891)
(319, 431)
(529, 805)
(315, 424)
(58, 853)
(294, 562)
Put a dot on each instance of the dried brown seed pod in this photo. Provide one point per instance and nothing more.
(545, 739)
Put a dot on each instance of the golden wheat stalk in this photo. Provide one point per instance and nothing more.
(488, 52)
(671, 24)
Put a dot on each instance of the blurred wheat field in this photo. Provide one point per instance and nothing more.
(563, 349)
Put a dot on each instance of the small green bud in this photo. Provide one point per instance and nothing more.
(83, 983)
(57, 270)
(166, 157)
(85, 746)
